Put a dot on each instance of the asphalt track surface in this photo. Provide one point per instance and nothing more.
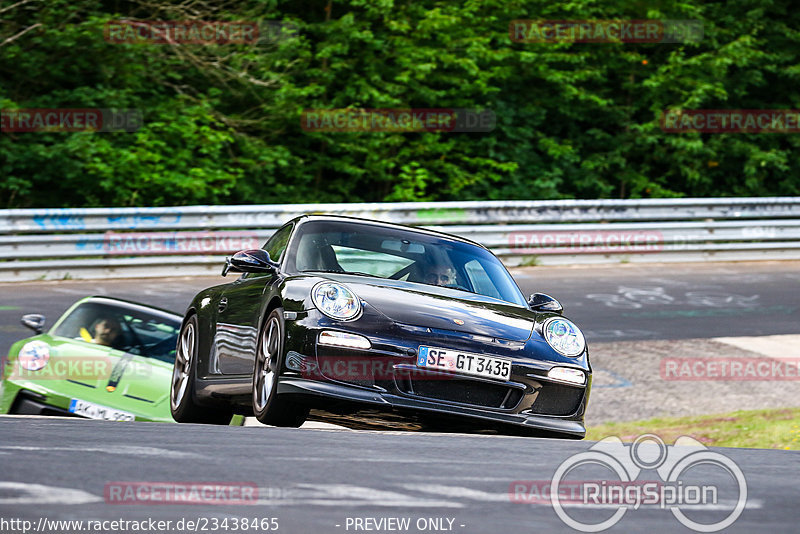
(610, 303)
(312, 481)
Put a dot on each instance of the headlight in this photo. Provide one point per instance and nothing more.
(336, 301)
(33, 356)
(564, 337)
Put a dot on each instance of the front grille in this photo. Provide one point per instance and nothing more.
(463, 391)
(557, 399)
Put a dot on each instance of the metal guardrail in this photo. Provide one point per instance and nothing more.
(141, 242)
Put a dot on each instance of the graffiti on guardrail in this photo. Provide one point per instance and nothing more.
(67, 220)
(62, 222)
(139, 221)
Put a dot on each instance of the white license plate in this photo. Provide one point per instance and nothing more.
(464, 362)
(96, 411)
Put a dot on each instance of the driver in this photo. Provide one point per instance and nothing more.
(105, 331)
(441, 275)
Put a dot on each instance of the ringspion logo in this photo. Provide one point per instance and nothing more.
(703, 489)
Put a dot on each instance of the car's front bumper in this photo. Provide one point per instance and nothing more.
(327, 391)
(387, 376)
(32, 398)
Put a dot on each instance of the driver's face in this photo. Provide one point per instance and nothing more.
(105, 332)
(440, 277)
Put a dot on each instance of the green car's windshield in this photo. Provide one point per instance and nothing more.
(129, 328)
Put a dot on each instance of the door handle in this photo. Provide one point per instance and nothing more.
(223, 303)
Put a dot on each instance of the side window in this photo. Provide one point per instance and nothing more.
(276, 245)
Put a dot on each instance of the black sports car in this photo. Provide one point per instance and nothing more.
(347, 315)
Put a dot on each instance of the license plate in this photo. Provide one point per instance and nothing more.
(96, 411)
(464, 362)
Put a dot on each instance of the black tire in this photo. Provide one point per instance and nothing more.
(182, 402)
(269, 407)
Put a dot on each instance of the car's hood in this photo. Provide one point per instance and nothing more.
(105, 376)
(449, 309)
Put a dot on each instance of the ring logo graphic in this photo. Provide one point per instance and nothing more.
(679, 466)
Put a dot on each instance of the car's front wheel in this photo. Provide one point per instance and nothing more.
(269, 407)
(181, 394)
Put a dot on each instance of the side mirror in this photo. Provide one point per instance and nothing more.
(250, 261)
(542, 302)
(34, 321)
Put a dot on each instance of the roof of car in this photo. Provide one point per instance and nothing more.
(132, 303)
(369, 222)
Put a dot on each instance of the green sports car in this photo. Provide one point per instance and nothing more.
(104, 358)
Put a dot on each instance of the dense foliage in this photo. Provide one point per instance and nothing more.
(222, 122)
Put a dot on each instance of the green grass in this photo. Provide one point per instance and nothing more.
(759, 429)
(529, 261)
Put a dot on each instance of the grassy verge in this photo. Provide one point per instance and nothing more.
(759, 429)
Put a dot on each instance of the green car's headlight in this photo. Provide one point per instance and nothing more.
(564, 337)
(336, 301)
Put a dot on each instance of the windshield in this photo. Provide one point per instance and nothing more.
(128, 328)
(397, 254)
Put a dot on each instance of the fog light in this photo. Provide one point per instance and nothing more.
(568, 375)
(341, 339)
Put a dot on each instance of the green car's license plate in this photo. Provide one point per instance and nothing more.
(97, 411)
